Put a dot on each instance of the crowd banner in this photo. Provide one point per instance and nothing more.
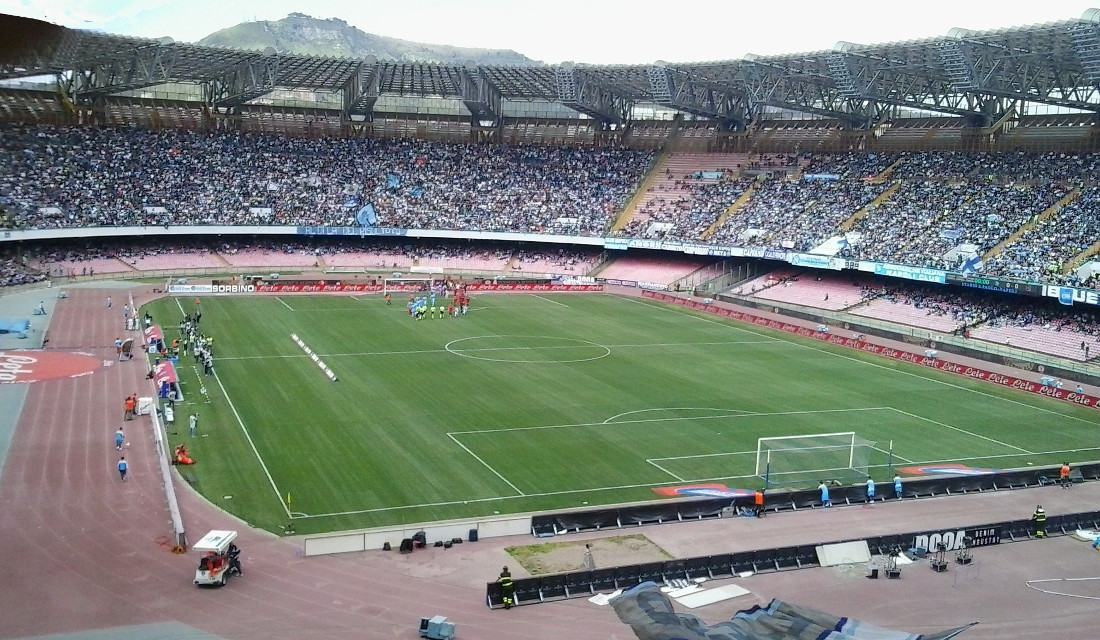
(932, 362)
(911, 273)
(816, 261)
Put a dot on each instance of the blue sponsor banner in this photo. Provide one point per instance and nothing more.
(821, 177)
(1070, 295)
(616, 243)
(350, 231)
(775, 254)
(911, 273)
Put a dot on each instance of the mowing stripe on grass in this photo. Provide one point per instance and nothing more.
(969, 433)
(422, 351)
(233, 408)
(631, 486)
(840, 355)
(486, 465)
(747, 414)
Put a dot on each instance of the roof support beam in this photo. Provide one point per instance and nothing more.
(1086, 44)
(679, 90)
(576, 90)
(875, 77)
(360, 92)
(770, 84)
(1017, 74)
(242, 82)
(480, 96)
(139, 67)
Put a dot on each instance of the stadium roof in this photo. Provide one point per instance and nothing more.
(981, 75)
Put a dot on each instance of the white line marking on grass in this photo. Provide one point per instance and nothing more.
(707, 455)
(895, 456)
(549, 300)
(747, 414)
(638, 486)
(627, 413)
(284, 304)
(420, 351)
(870, 364)
(969, 433)
(278, 495)
(1005, 455)
(486, 464)
(650, 461)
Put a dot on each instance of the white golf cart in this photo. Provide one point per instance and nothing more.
(214, 564)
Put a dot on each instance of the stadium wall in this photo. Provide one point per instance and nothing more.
(858, 324)
(375, 539)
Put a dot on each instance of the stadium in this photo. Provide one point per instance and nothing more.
(660, 288)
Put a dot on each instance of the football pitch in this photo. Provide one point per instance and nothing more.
(550, 402)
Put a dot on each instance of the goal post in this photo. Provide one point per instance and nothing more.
(411, 284)
(808, 459)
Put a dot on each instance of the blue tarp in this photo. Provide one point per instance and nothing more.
(11, 325)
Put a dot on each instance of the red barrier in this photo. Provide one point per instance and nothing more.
(412, 288)
(906, 356)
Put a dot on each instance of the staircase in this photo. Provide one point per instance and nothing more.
(220, 258)
(733, 208)
(1081, 258)
(651, 178)
(884, 175)
(660, 184)
(1050, 211)
(882, 197)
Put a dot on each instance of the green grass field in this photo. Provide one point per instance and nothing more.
(544, 402)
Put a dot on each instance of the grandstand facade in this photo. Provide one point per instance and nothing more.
(1031, 88)
(966, 158)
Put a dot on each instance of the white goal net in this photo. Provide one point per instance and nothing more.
(409, 285)
(812, 458)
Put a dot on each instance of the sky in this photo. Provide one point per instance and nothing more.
(589, 31)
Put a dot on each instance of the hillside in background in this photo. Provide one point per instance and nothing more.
(305, 35)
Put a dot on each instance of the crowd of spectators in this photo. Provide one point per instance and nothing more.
(988, 217)
(853, 166)
(64, 259)
(79, 177)
(688, 216)
(14, 270)
(796, 215)
(1009, 166)
(1040, 254)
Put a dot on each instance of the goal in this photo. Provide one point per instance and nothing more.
(408, 285)
(809, 459)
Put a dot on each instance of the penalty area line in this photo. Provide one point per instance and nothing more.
(485, 464)
(284, 303)
(650, 461)
(560, 304)
(964, 431)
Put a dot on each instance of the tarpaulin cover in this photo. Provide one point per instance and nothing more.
(650, 614)
(12, 325)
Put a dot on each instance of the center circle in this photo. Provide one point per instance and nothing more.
(527, 349)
